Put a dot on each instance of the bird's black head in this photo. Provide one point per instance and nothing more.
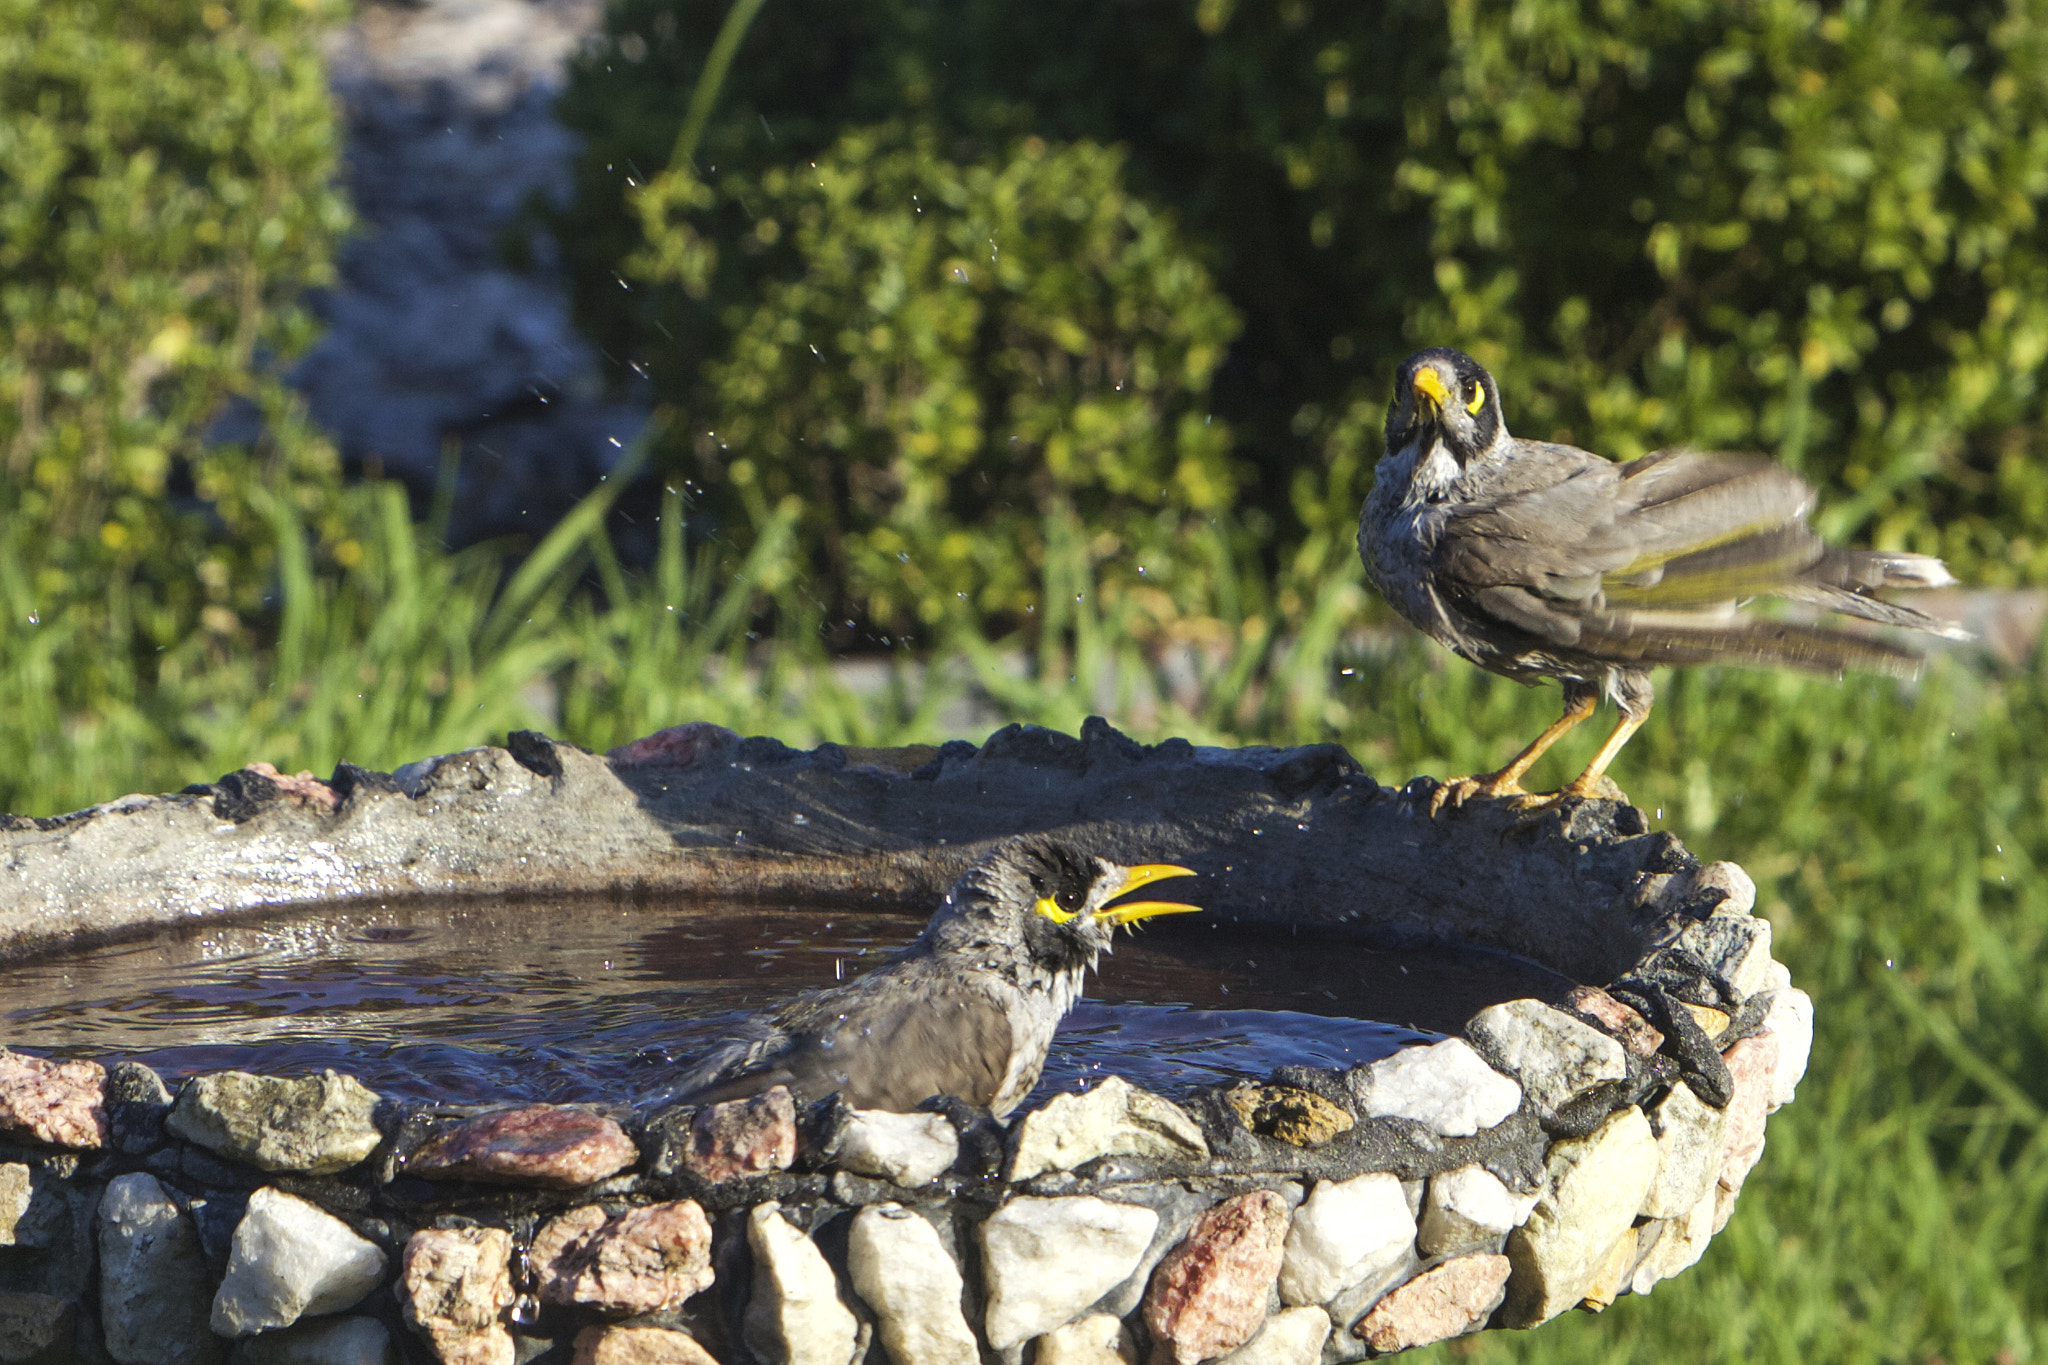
(1444, 395)
(1049, 899)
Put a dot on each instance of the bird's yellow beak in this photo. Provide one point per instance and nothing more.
(1429, 388)
(1144, 875)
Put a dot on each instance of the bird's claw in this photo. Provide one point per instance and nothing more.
(1456, 792)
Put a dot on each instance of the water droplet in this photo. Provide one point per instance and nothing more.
(903, 556)
(801, 818)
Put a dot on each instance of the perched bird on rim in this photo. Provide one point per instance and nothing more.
(1535, 560)
(967, 1010)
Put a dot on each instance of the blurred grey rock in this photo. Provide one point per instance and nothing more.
(794, 1313)
(154, 1284)
(1444, 1085)
(323, 1341)
(1553, 1055)
(908, 1149)
(902, 1271)
(1047, 1260)
(1113, 1119)
(316, 1124)
(432, 337)
(1345, 1232)
(1469, 1209)
(36, 1329)
(291, 1260)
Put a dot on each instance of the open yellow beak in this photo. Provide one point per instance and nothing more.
(1429, 387)
(1144, 875)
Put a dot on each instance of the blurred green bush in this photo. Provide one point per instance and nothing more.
(1769, 224)
(932, 355)
(164, 203)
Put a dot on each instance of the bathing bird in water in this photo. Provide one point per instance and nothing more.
(967, 1010)
(1536, 560)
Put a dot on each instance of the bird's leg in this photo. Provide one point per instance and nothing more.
(1583, 786)
(1578, 704)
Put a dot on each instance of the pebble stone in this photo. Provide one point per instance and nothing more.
(1098, 1339)
(1753, 1063)
(1345, 1232)
(290, 1260)
(1469, 1208)
(16, 1189)
(1595, 1184)
(314, 1124)
(1046, 1260)
(60, 1103)
(321, 1341)
(645, 1260)
(1610, 1277)
(1611, 1017)
(1680, 1243)
(1446, 1086)
(1737, 947)
(1788, 1017)
(902, 1271)
(742, 1137)
(794, 1313)
(1298, 1117)
(1292, 1336)
(1113, 1119)
(454, 1287)
(1688, 1151)
(542, 1144)
(601, 1345)
(1553, 1055)
(1208, 1297)
(1447, 1300)
(905, 1149)
(154, 1283)
(36, 1329)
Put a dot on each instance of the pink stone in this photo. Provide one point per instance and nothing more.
(1615, 1019)
(1441, 1302)
(1209, 1295)
(743, 1137)
(644, 1261)
(1752, 1062)
(454, 1287)
(638, 1346)
(542, 1144)
(61, 1103)
(301, 785)
(679, 746)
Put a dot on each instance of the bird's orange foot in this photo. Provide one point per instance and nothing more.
(1602, 788)
(1456, 792)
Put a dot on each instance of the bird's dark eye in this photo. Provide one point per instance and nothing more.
(1070, 900)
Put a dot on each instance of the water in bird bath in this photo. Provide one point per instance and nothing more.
(590, 999)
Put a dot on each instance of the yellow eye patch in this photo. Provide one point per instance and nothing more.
(1050, 908)
(1478, 399)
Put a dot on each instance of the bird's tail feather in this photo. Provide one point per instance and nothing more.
(1659, 639)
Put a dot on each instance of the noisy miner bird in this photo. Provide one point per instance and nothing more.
(1535, 560)
(967, 1010)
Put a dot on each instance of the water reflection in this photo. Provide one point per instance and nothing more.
(592, 999)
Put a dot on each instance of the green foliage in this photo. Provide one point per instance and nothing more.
(163, 204)
(1766, 223)
(933, 355)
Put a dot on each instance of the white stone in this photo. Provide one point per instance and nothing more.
(289, 1260)
(1739, 886)
(794, 1315)
(1688, 1151)
(1553, 1055)
(908, 1149)
(902, 1271)
(1098, 1339)
(1681, 1243)
(153, 1279)
(1292, 1336)
(1595, 1184)
(1049, 1259)
(1777, 976)
(1444, 1085)
(1467, 1208)
(1788, 1013)
(1344, 1232)
(322, 1341)
(1113, 1119)
(16, 1190)
(1738, 948)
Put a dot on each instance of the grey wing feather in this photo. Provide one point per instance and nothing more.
(1651, 561)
